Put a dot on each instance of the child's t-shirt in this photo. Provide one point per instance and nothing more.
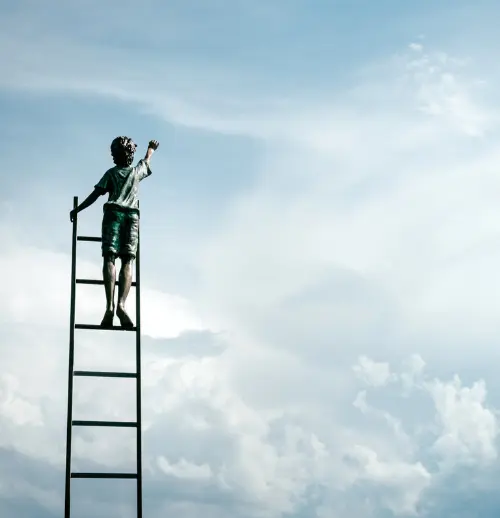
(122, 184)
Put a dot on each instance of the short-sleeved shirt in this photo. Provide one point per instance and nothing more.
(122, 184)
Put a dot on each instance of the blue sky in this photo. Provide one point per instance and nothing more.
(319, 255)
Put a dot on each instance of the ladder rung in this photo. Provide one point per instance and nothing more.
(99, 374)
(97, 282)
(103, 475)
(101, 328)
(117, 424)
(89, 238)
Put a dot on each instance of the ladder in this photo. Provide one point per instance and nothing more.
(97, 374)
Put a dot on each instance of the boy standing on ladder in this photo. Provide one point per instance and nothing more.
(120, 222)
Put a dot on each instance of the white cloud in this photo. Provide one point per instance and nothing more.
(200, 428)
(468, 429)
(443, 91)
(185, 470)
(373, 373)
(405, 481)
(14, 407)
(412, 372)
(417, 47)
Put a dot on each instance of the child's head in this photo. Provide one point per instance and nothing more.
(122, 151)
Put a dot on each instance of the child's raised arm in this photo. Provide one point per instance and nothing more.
(152, 147)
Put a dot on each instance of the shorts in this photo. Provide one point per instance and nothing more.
(120, 232)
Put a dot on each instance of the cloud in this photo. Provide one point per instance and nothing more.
(185, 470)
(373, 373)
(443, 92)
(200, 429)
(469, 429)
(28, 487)
(215, 99)
(399, 485)
(463, 436)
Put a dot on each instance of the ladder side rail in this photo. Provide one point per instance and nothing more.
(71, 361)
(139, 377)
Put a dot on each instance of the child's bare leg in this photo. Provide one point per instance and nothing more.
(123, 291)
(109, 277)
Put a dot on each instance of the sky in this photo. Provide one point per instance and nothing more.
(320, 256)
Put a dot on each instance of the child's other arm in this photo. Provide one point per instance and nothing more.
(91, 198)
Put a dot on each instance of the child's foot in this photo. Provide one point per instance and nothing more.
(124, 318)
(107, 320)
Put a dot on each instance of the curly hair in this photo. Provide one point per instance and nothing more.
(122, 151)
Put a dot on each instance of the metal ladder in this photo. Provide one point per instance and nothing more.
(97, 374)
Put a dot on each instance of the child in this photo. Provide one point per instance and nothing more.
(120, 222)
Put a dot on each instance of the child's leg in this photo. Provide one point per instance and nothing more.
(127, 254)
(109, 276)
(110, 246)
